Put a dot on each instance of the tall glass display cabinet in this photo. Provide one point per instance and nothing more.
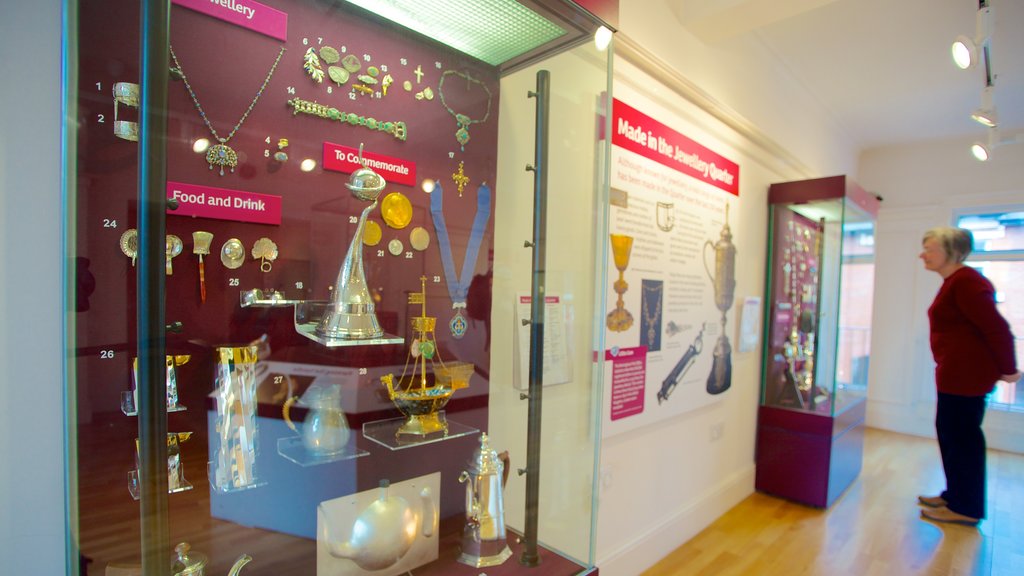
(817, 344)
(306, 256)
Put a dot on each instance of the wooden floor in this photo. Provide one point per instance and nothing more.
(873, 529)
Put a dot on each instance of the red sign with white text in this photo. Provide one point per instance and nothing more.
(635, 131)
(344, 159)
(224, 204)
(245, 13)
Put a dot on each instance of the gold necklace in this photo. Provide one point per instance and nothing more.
(464, 122)
(221, 154)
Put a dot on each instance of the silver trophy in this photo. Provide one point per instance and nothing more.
(724, 282)
(350, 315)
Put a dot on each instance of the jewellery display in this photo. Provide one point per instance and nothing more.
(458, 282)
(130, 244)
(395, 247)
(463, 121)
(620, 320)
(232, 254)
(367, 79)
(396, 210)
(233, 465)
(351, 315)
(373, 71)
(363, 89)
(311, 64)
(385, 82)
(396, 129)
(266, 250)
(419, 238)
(420, 401)
(372, 233)
(666, 216)
(173, 247)
(337, 74)
(221, 154)
(351, 63)
(650, 314)
(679, 370)
(126, 93)
(460, 179)
(425, 94)
(329, 55)
(419, 73)
(724, 283)
(281, 155)
(201, 247)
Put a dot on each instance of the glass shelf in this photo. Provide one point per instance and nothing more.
(291, 448)
(135, 490)
(214, 488)
(308, 314)
(385, 433)
(257, 298)
(128, 404)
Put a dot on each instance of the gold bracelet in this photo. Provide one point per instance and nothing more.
(396, 129)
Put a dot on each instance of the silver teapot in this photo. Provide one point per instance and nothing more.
(483, 538)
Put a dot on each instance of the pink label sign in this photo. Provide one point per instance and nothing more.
(629, 374)
(224, 204)
(245, 13)
(635, 131)
(344, 159)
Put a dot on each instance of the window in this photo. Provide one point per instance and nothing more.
(999, 255)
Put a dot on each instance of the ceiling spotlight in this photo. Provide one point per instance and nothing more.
(981, 151)
(965, 50)
(986, 114)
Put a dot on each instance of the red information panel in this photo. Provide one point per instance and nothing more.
(224, 204)
(245, 13)
(346, 159)
(635, 131)
(629, 373)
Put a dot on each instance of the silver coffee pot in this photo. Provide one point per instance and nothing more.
(483, 538)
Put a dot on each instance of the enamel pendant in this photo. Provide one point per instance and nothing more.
(458, 325)
(221, 155)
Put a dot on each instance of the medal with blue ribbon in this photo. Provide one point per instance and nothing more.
(458, 284)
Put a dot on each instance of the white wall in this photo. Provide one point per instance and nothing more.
(31, 348)
(922, 184)
(669, 481)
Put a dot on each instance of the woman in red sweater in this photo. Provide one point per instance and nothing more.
(973, 349)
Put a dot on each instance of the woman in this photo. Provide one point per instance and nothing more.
(973, 348)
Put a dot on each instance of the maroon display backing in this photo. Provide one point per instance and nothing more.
(226, 65)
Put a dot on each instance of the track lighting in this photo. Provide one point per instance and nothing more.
(986, 114)
(982, 151)
(966, 50)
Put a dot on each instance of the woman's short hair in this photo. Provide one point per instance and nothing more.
(956, 242)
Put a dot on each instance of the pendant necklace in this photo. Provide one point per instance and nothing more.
(458, 285)
(221, 154)
(652, 292)
(464, 122)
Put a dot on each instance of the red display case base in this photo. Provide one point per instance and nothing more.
(809, 458)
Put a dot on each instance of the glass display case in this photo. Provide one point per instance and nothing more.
(817, 340)
(298, 229)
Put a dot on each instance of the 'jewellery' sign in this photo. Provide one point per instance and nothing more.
(245, 13)
(639, 133)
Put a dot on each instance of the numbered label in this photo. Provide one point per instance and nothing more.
(99, 87)
(362, 371)
(403, 61)
(380, 253)
(353, 219)
(408, 255)
(233, 282)
(291, 90)
(106, 354)
(298, 285)
(278, 379)
(108, 223)
(101, 118)
(366, 57)
(437, 279)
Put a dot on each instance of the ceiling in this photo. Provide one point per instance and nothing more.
(882, 68)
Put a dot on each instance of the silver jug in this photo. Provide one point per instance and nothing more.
(325, 430)
(483, 538)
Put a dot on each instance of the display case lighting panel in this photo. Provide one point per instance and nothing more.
(494, 31)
